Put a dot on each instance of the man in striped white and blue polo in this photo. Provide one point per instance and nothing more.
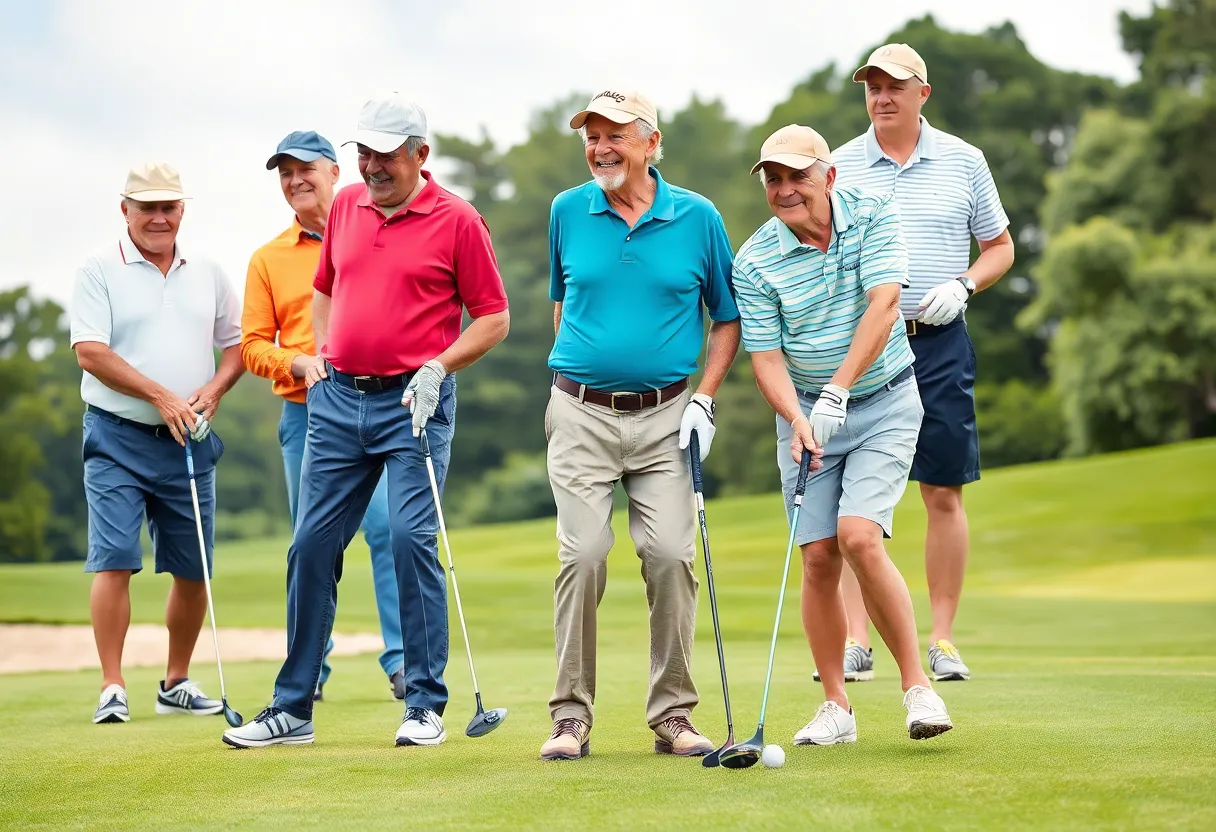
(946, 196)
(818, 291)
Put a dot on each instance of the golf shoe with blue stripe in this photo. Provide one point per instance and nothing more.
(113, 706)
(185, 698)
(273, 726)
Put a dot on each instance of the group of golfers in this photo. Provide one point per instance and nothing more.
(850, 302)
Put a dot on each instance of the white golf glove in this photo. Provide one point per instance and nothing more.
(421, 395)
(943, 303)
(698, 416)
(828, 414)
(201, 428)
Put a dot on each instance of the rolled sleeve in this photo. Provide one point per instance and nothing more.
(478, 279)
(227, 331)
(988, 218)
(884, 252)
(90, 315)
(759, 311)
(718, 291)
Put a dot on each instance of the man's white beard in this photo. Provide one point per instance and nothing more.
(611, 181)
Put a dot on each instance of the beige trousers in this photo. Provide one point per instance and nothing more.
(590, 448)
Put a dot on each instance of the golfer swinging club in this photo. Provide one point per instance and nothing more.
(818, 290)
(146, 319)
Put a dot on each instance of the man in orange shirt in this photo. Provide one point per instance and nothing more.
(278, 302)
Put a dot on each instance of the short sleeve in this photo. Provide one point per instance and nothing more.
(227, 312)
(717, 291)
(90, 315)
(557, 282)
(988, 218)
(759, 310)
(884, 252)
(323, 281)
(478, 280)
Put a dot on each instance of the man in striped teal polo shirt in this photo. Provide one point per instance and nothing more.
(946, 196)
(818, 290)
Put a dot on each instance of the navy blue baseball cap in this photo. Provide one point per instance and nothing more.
(305, 145)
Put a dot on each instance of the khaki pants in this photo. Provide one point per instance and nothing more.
(590, 448)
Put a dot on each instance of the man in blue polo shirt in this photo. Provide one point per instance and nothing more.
(818, 288)
(946, 196)
(633, 261)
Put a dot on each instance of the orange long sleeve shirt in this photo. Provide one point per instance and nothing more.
(276, 324)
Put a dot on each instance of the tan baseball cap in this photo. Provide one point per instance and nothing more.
(621, 107)
(898, 60)
(795, 146)
(154, 182)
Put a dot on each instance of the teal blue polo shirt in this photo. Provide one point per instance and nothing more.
(633, 300)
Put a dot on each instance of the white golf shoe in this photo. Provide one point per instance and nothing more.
(832, 725)
(927, 715)
(421, 726)
(946, 663)
(185, 698)
(273, 726)
(113, 706)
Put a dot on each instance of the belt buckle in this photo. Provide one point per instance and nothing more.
(911, 322)
(613, 396)
(359, 384)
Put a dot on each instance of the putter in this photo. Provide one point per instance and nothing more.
(483, 722)
(230, 714)
(710, 760)
(747, 754)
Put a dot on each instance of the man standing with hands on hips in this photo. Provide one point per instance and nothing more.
(402, 259)
(946, 196)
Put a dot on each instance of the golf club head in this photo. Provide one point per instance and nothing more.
(745, 754)
(713, 758)
(234, 718)
(483, 722)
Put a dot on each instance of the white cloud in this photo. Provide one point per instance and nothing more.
(211, 87)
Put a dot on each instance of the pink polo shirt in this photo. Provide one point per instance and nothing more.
(399, 284)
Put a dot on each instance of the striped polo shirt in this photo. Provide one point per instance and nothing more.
(945, 194)
(807, 303)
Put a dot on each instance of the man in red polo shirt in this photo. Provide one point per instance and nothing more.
(401, 260)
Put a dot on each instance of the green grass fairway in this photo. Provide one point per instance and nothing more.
(1088, 620)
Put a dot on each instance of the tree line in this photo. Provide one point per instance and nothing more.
(1102, 337)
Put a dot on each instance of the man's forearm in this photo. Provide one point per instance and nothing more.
(557, 316)
(480, 337)
(230, 369)
(870, 339)
(320, 318)
(774, 382)
(108, 367)
(996, 258)
(719, 355)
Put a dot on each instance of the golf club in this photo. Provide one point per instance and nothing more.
(746, 754)
(483, 722)
(234, 718)
(694, 452)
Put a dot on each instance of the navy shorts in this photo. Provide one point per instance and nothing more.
(948, 450)
(131, 473)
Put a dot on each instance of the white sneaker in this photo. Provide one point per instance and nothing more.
(185, 698)
(273, 726)
(421, 726)
(113, 706)
(946, 663)
(832, 724)
(927, 715)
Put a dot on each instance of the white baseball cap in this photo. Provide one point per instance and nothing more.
(387, 120)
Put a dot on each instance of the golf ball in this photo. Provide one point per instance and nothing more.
(773, 756)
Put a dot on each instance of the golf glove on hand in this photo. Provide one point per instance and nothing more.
(201, 428)
(422, 393)
(698, 416)
(828, 413)
(943, 303)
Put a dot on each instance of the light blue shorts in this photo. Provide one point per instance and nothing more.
(865, 465)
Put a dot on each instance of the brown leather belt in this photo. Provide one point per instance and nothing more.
(619, 402)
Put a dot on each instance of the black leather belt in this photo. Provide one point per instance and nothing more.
(161, 431)
(619, 402)
(368, 384)
(915, 328)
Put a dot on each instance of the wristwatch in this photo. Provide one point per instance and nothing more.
(968, 284)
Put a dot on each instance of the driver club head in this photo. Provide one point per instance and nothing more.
(234, 718)
(745, 754)
(483, 722)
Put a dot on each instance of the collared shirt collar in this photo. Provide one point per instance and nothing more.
(926, 145)
(424, 203)
(842, 218)
(130, 254)
(299, 233)
(663, 208)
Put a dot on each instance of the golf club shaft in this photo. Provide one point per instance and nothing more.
(694, 451)
(202, 550)
(443, 532)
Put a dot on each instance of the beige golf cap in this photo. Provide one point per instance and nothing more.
(387, 120)
(154, 182)
(621, 107)
(795, 146)
(898, 60)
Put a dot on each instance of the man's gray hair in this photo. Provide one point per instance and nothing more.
(819, 168)
(644, 131)
(413, 144)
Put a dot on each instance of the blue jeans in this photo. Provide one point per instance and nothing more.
(293, 429)
(353, 438)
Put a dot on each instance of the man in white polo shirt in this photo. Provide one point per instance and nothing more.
(145, 322)
(946, 196)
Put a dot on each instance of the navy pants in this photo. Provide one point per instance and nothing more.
(948, 450)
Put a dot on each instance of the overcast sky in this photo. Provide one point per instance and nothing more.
(90, 87)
